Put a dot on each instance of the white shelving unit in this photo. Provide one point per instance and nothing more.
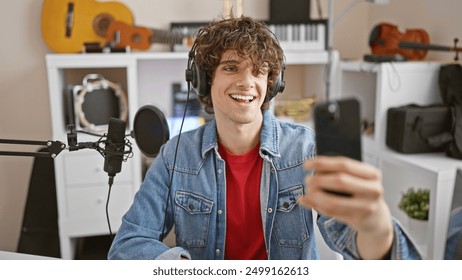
(147, 78)
(81, 183)
(428, 171)
(385, 85)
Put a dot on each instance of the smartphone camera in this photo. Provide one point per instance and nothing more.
(333, 112)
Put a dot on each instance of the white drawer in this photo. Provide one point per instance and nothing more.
(87, 168)
(90, 202)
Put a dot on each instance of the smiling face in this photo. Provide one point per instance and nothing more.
(249, 38)
(238, 90)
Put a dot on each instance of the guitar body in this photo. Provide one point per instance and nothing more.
(67, 25)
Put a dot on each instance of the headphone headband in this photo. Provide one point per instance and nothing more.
(200, 79)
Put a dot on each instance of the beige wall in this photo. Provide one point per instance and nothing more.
(24, 106)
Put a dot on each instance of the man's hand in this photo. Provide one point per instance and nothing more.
(361, 206)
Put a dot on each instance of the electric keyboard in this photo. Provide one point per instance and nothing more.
(301, 36)
(308, 36)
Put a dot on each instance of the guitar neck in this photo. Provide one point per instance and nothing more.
(165, 37)
(140, 38)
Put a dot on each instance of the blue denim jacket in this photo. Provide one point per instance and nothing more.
(197, 203)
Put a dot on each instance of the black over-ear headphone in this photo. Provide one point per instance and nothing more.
(200, 79)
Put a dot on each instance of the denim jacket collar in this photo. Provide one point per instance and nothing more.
(269, 137)
(210, 138)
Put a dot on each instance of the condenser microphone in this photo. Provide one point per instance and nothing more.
(115, 146)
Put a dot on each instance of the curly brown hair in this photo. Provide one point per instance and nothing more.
(248, 37)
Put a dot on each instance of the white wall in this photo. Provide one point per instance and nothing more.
(24, 105)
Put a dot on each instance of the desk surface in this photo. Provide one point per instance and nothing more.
(19, 256)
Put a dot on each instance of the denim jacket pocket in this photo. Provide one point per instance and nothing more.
(290, 224)
(192, 219)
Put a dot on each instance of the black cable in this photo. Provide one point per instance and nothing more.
(174, 162)
(125, 155)
(111, 181)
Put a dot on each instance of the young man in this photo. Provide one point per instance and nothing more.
(243, 185)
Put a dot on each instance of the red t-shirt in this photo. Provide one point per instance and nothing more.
(244, 229)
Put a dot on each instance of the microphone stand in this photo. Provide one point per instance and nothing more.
(54, 148)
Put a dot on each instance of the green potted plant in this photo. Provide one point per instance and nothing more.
(416, 203)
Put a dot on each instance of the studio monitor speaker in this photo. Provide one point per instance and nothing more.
(292, 11)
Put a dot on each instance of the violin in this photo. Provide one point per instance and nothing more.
(386, 39)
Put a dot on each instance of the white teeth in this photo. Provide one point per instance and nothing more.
(242, 97)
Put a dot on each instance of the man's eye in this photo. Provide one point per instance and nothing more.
(230, 68)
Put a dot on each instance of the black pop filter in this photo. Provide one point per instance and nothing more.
(150, 130)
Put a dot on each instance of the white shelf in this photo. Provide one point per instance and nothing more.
(384, 85)
(422, 171)
(121, 59)
(381, 86)
(363, 66)
(432, 162)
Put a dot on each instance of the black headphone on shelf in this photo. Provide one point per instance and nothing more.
(200, 79)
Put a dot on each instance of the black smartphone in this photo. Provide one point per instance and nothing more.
(338, 129)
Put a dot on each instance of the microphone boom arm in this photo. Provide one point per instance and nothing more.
(54, 148)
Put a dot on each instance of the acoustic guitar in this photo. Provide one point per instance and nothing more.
(68, 25)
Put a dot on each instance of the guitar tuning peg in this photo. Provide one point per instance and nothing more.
(456, 57)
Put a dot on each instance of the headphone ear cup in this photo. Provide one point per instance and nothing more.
(200, 80)
(278, 86)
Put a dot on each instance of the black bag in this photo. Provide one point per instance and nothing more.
(450, 83)
(418, 129)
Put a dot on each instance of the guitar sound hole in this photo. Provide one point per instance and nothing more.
(101, 24)
(136, 38)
